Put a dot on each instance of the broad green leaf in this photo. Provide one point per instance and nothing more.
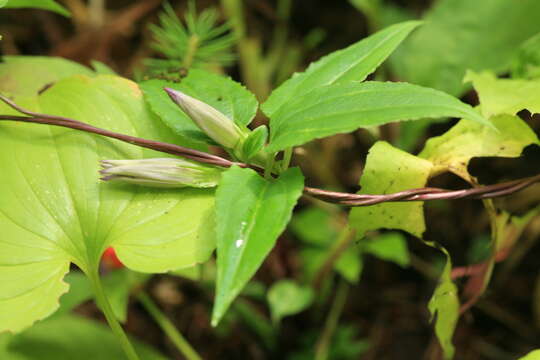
(192, 273)
(286, 298)
(50, 5)
(57, 211)
(251, 212)
(389, 170)
(314, 226)
(533, 355)
(255, 142)
(526, 63)
(463, 34)
(505, 96)
(390, 246)
(71, 337)
(353, 63)
(222, 93)
(444, 308)
(102, 68)
(3, 3)
(345, 107)
(453, 150)
(26, 75)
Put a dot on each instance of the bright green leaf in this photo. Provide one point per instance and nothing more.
(390, 246)
(71, 337)
(345, 107)
(350, 264)
(193, 272)
(389, 170)
(220, 92)
(26, 75)
(453, 150)
(463, 34)
(3, 3)
(80, 290)
(444, 308)
(57, 211)
(251, 212)
(353, 63)
(286, 298)
(101, 68)
(255, 142)
(533, 355)
(505, 96)
(50, 5)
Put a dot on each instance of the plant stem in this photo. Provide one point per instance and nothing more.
(105, 306)
(168, 327)
(193, 45)
(324, 342)
(269, 166)
(287, 156)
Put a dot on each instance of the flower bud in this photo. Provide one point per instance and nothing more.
(166, 172)
(216, 125)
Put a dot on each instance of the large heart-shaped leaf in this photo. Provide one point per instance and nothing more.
(54, 210)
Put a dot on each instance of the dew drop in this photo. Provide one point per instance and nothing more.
(239, 242)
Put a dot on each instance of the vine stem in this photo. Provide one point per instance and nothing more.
(107, 310)
(168, 327)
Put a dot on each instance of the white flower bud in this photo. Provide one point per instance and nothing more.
(165, 172)
(216, 125)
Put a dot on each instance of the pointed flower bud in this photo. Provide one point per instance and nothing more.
(216, 125)
(166, 172)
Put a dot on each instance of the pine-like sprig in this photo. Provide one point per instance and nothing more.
(201, 42)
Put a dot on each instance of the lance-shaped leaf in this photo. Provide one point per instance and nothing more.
(50, 5)
(353, 63)
(55, 211)
(222, 93)
(345, 107)
(251, 212)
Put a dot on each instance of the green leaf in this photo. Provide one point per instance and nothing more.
(390, 246)
(286, 298)
(70, 337)
(505, 96)
(345, 107)
(533, 355)
(251, 212)
(3, 3)
(220, 92)
(463, 34)
(353, 63)
(526, 63)
(80, 290)
(444, 308)
(101, 68)
(57, 211)
(453, 150)
(38, 4)
(255, 142)
(26, 75)
(315, 226)
(389, 170)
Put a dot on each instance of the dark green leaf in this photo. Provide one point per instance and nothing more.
(251, 214)
(50, 5)
(464, 34)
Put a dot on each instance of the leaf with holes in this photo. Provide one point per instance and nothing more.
(251, 212)
(57, 212)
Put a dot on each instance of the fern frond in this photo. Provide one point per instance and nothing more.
(199, 43)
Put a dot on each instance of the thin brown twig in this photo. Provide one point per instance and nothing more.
(340, 198)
